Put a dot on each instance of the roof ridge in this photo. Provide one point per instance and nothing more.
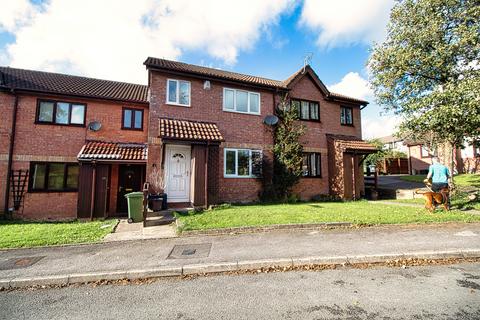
(216, 69)
(70, 75)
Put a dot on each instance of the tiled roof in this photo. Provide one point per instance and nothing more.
(169, 65)
(113, 151)
(57, 83)
(344, 97)
(210, 72)
(189, 130)
(352, 143)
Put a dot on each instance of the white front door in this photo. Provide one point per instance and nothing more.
(177, 173)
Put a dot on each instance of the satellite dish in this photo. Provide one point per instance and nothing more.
(94, 125)
(270, 120)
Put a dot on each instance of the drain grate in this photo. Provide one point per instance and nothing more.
(18, 263)
(190, 251)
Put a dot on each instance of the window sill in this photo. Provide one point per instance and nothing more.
(310, 120)
(177, 104)
(241, 177)
(60, 124)
(311, 177)
(132, 129)
(241, 112)
(347, 125)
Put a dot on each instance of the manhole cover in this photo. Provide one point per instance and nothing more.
(190, 251)
(18, 263)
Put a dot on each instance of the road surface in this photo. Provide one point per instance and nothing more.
(433, 292)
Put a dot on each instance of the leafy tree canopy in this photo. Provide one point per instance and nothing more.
(428, 68)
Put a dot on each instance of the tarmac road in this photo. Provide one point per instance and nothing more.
(432, 292)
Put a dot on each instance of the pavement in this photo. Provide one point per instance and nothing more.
(205, 254)
(444, 292)
(135, 231)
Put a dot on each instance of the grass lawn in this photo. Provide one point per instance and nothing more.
(16, 234)
(357, 212)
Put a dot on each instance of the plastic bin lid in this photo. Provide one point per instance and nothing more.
(137, 194)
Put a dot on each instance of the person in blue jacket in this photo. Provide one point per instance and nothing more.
(439, 175)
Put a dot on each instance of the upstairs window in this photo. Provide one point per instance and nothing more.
(241, 101)
(132, 119)
(346, 116)
(61, 113)
(242, 163)
(53, 176)
(312, 165)
(307, 110)
(178, 92)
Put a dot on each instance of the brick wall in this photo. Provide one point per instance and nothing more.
(239, 130)
(42, 142)
(248, 131)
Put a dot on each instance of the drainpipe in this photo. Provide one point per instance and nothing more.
(92, 199)
(206, 174)
(10, 151)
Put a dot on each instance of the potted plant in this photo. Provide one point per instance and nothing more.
(157, 198)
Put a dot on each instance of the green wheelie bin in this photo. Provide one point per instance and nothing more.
(135, 206)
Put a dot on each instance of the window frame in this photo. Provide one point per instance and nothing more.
(310, 102)
(132, 120)
(351, 112)
(54, 114)
(45, 189)
(250, 163)
(177, 93)
(309, 159)
(224, 108)
(429, 155)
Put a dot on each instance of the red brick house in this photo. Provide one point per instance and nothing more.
(86, 142)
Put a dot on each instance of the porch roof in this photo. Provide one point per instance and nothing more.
(353, 144)
(113, 151)
(189, 130)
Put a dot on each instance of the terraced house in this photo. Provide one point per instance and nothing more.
(87, 142)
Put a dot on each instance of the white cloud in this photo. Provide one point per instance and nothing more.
(110, 38)
(346, 21)
(353, 85)
(376, 126)
(15, 13)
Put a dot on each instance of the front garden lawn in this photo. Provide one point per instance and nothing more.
(17, 234)
(356, 212)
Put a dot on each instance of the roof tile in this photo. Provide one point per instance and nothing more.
(57, 83)
(189, 130)
(99, 150)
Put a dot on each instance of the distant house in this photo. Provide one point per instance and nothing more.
(398, 165)
(393, 143)
(467, 157)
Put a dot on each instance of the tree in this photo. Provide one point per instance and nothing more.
(427, 71)
(287, 150)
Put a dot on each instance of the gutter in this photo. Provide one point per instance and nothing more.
(10, 151)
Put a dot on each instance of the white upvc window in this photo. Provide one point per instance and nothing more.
(242, 101)
(178, 92)
(242, 163)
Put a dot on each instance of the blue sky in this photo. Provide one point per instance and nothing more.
(267, 38)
